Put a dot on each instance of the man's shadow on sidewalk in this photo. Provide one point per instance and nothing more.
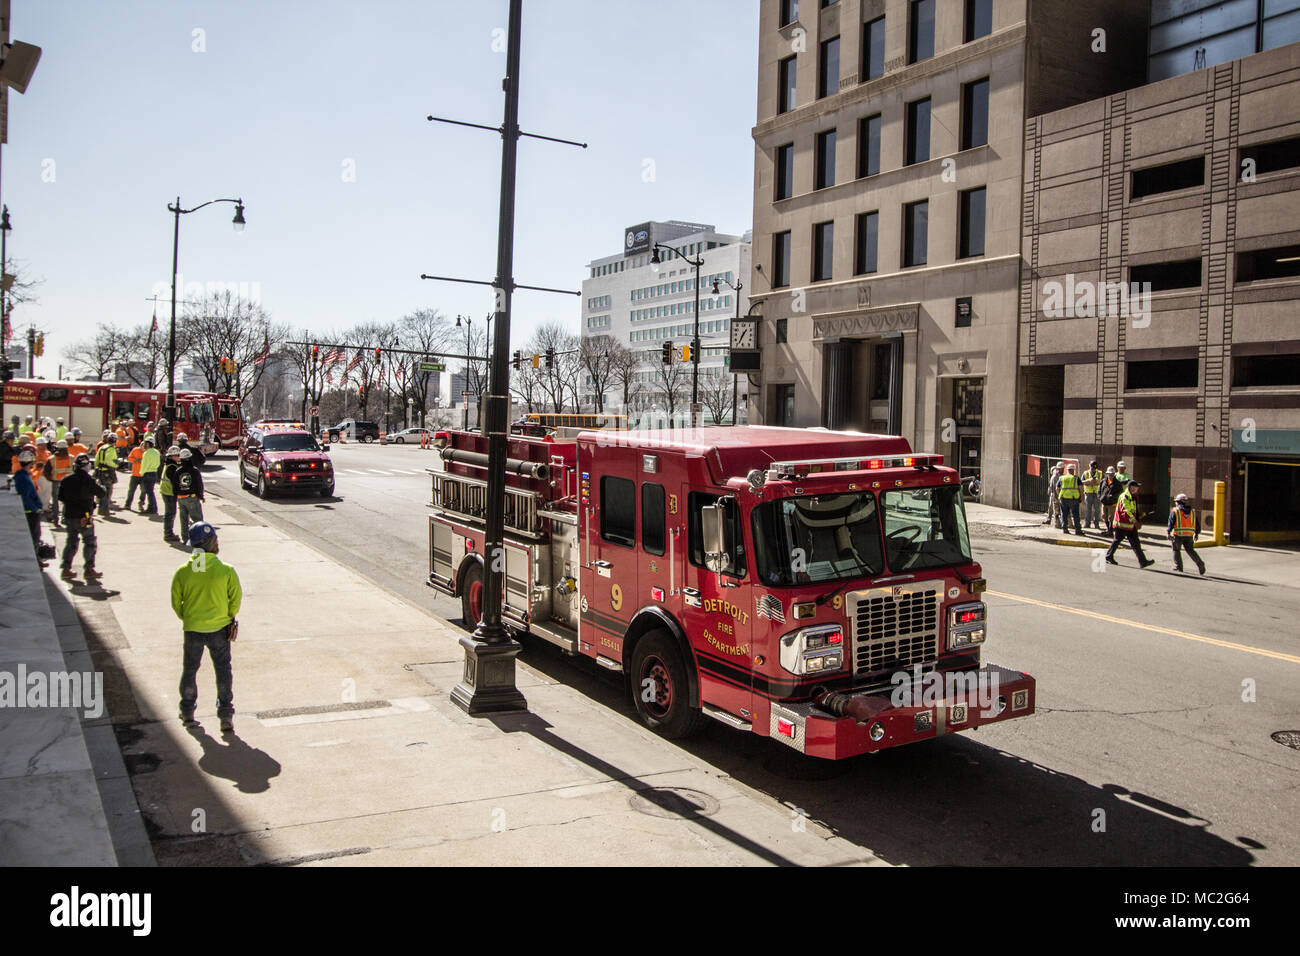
(251, 769)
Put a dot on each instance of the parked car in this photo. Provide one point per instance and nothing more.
(353, 430)
(284, 459)
(414, 435)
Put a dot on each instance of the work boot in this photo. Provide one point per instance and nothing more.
(1201, 570)
(187, 718)
(1148, 562)
(91, 574)
(68, 574)
(1112, 561)
(227, 725)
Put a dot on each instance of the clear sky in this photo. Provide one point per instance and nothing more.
(123, 114)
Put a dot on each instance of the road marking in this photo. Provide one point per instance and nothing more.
(376, 471)
(1276, 655)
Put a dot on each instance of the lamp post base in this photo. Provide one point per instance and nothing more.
(487, 685)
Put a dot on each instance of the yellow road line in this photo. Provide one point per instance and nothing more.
(1276, 655)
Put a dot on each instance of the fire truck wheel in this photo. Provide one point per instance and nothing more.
(660, 689)
(471, 596)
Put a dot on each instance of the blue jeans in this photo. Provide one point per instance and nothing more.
(1070, 509)
(191, 512)
(219, 650)
(169, 516)
(1092, 511)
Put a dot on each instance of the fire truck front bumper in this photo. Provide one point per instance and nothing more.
(845, 725)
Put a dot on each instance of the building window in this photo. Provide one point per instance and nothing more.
(918, 132)
(823, 250)
(1165, 373)
(1280, 263)
(916, 229)
(975, 114)
(782, 328)
(785, 171)
(1168, 177)
(873, 49)
(868, 146)
(785, 89)
(865, 243)
(781, 260)
(979, 19)
(1164, 276)
(1269, 158)
(964, 311)
(828, 68)
(618, 510)
(920, 31)
(789, 12)
(972, 223)
(1268, 371)
(825, 160)
(782, 405)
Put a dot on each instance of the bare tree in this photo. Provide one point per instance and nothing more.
(428, 331)
(625, 368)
(222, 325)
(527, 386)
(715, 394)
(98, 357)
(672, 385)
(560, 380)
(597, 357)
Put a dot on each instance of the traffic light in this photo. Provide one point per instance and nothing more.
(695, 351)
(361, 393)
(550, 358)
(379, 355)
(315, 353)
(537, 360)
(668, 353)
(686, 353)
(39, 348)
(518, 360)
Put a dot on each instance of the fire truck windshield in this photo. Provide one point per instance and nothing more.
(819, 538)
(925, 528)
(201, 412)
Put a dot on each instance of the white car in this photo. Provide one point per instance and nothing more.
(412, 435)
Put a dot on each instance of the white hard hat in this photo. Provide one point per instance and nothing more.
(26, 455)
(42, 440)
(1180, 498)
(1121, 464)
(186, 454)
(61, 443)
(173, 450)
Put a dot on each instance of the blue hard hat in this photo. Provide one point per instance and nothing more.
(200, 533)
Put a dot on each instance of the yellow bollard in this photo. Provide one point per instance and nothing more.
(1220, 512)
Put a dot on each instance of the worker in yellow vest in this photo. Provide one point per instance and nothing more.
(1091, 482)
(57, 467)
(1069, 491)
(1183, 529)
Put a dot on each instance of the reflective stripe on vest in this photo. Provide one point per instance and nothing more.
(62, 467)
(1091, 482)
(1184, 521)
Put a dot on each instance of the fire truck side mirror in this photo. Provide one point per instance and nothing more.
(971, 486)
(713, 526)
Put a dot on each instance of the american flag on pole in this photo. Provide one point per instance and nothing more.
(329, 378)
(266, 349)
(356, 360)
(331, 357)
(397, 372)
(152, 329)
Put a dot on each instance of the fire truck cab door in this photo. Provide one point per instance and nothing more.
(610, 553)
(717, 618)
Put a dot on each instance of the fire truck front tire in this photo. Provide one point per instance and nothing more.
(660, 689)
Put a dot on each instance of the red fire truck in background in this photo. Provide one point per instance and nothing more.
(808, 585)
(211, 421)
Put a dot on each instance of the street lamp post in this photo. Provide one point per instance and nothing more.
(734, 378)
(178, 211)
(465, 388)
(695, 337)
(4, 309)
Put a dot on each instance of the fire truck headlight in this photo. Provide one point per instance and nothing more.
(966, 624)
(813, 650)
(279, 466)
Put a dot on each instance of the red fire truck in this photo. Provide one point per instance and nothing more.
(210, 420)
(808, 585)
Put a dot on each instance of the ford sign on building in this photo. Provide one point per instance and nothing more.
(637, 240)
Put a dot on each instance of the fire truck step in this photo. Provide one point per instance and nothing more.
(731, 720)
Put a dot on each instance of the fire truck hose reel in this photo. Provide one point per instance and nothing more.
(514, 466)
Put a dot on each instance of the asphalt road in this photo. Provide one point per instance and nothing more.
(1158, 694)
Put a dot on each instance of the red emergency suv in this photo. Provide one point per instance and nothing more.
(278, 458)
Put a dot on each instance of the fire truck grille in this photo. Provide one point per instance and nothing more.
(895, 632)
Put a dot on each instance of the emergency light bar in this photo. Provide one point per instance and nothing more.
(789, 469)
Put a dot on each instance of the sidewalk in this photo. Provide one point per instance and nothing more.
(65, 798)
(349, 751)
(993, 522)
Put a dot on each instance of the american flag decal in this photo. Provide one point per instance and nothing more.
(769, 607)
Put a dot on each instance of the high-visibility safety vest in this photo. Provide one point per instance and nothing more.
(76, 448)
(121, 438)
(106, 455)
(62, 466)
(60, 432)
(1184, 521)
(1091, 481)
(1126, 512)
(1069, 487)
(137, 453)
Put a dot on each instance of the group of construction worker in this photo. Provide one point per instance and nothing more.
(52, 467)
(1110, 496)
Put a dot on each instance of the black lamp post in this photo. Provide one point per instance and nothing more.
(734, 378)
(178, 211)
(695, 338)
(465, 398)
(4, 313)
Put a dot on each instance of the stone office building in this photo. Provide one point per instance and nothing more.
(887, 232)
(1191, 185)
